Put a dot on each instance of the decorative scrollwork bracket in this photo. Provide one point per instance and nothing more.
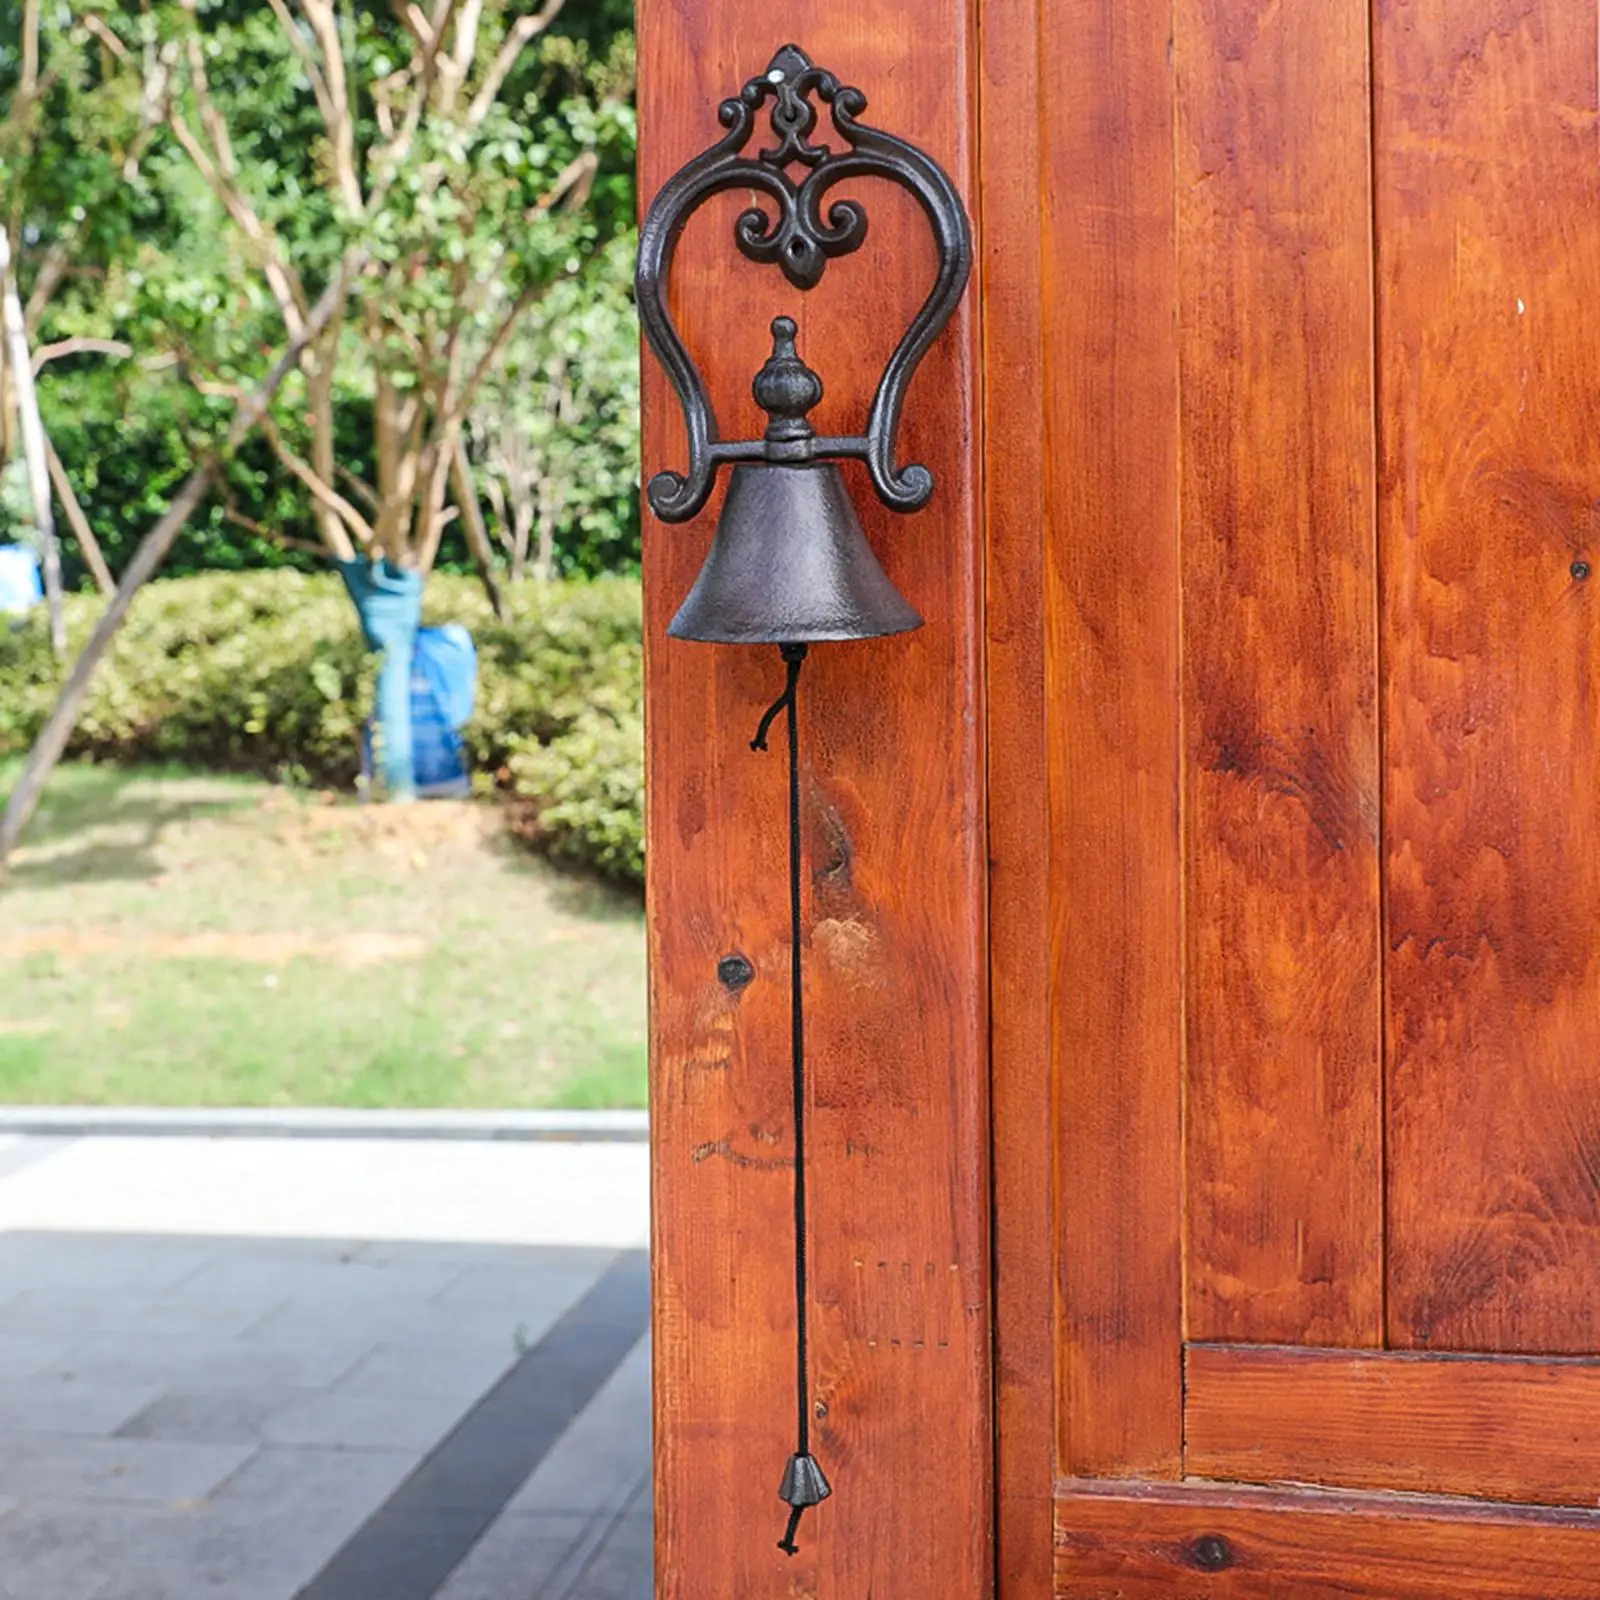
(800, 238)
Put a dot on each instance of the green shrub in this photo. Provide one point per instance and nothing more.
(266, 672)
(586, 788)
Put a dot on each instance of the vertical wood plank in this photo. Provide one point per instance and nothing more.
(1284, 1140)
(1020, 847)
(1488, 193)
(893, 739)
(1111, 602)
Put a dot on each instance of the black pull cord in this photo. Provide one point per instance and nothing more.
(804, 1482)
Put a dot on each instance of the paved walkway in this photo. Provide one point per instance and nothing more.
(326, 1369)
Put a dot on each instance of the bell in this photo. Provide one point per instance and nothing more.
(789, 563)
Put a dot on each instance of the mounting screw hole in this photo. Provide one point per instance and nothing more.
(1211, 1553)
(1580, 570)
(735, 972)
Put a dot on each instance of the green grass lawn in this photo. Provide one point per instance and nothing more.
(172, 939)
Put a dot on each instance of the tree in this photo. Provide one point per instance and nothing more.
(468, 216)
(31, 166)
(471, 213)
(556, 428)
(476, 159)
(386, 191)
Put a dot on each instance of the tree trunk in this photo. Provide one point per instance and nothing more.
(33, 443)
(5, 406)
(545, 564)
(319, 389)
(472, 526)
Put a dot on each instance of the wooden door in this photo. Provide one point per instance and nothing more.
(1321, 1029)
(1206, 903)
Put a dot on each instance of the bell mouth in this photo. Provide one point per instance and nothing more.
(789, 564)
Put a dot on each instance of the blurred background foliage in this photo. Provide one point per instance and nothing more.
(155, 265)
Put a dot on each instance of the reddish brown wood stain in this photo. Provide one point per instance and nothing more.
(893, 750)
(1220, 1544)
(1020, 875)
(1111, 609)
(1484, 1427)
(1284, 1109)
(1281, 691)
(1489, 258)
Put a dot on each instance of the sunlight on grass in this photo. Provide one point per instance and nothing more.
(174, 939)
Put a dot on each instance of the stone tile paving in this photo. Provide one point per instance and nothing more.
(208, 1413)
(580, 1527)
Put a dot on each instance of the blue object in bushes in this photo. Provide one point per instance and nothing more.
(444, 688)
(389, 601)
(20, 589)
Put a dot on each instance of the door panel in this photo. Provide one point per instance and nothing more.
(1110, 672)
(1489, 279)
(1166, 1543)
(1283, 1133)
(1384, 1419)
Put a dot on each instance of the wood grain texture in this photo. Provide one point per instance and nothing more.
(1020, 847)
(1508, 1429)
(1284, 1106)
(1111, 601)
(1488, 206)
(1171, 1543)
(893, 739)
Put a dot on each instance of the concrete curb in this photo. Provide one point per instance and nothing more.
(607, 1127)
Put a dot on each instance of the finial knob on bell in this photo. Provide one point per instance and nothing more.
(789, 563)
(786, 388)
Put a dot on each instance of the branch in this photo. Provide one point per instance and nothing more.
(103, 32)
(336, 101)
(210, 117)
(92, 554)
(279, 279)
(29, 83)
(82, 346)
(402, 13)
(232, 514)
(531, 295)
(220, 174)
(359, 486)
(308, 60)
(51, 271)
(456, 402)
(325, 494)
(141, 143)
(431, 37)
(434, 463)
(523, 31)
(572, 186)
(472, 525)
(456, 63)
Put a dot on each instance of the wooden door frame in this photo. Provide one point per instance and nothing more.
(897, 1003)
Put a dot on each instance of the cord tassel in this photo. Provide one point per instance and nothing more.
(804, 1482)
